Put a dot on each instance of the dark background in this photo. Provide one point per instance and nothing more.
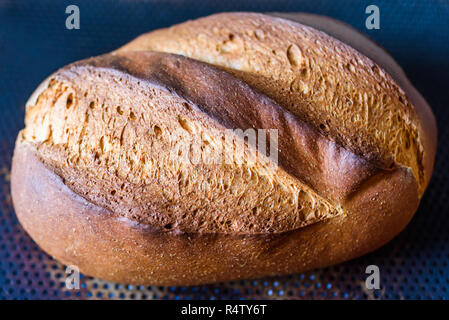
(34, 43)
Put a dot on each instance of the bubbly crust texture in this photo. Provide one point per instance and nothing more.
(105, 176)
(119, 140)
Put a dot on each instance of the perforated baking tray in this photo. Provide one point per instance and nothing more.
(34, 42)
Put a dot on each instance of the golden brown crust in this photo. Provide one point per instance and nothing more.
(332, 86)
(69, 164)
(78, 233)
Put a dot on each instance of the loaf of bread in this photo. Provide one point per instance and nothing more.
(98, 183)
